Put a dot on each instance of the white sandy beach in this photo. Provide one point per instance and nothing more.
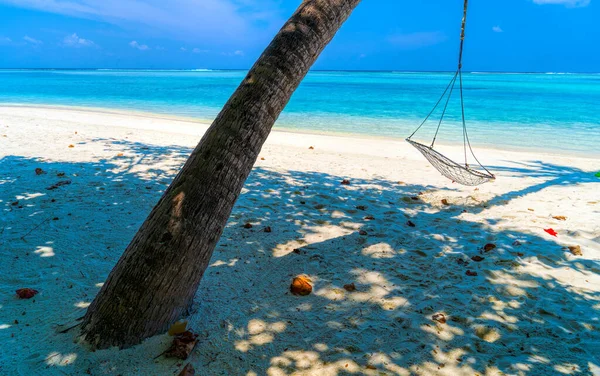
(533, 308)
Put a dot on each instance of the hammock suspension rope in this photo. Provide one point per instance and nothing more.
(462, 174)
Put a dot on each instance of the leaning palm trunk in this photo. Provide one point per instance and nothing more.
(155, 281)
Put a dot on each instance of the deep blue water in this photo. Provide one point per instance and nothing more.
(538, 111)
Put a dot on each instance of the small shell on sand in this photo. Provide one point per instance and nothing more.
(439, 317)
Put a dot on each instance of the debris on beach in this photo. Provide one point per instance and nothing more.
(361, 207)
(26, 293)
(369, 218)
(247, 225)
(576, 250)
(445, 202)
(177, 328)
(560, 217)
(350, 287)
(59, 174)
(301, 286)
(471, 274)
(345, 182)
(39, 171)
(410, 224)
(267, 229)
(71, 146)
(439, 317)
(489, 246)
(551, 231)
(363, 232)
(477, 258)
(188, 370)
(58, 184)
(182, 345)
(311, 148)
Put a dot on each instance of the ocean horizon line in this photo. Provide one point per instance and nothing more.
(312, 70)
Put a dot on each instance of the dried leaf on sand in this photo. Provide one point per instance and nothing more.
(188, 370)
(26, 293)
(177, 328)
(182, 345)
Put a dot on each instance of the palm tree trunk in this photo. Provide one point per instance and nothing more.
(156, 279)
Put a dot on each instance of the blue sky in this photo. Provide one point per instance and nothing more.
(502, 35)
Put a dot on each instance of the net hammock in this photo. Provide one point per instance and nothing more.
(460, 173)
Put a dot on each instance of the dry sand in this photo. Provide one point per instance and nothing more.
(533, 308)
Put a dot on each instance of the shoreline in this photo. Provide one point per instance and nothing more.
(285, 130)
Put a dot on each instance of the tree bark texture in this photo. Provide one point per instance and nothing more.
(156, 278)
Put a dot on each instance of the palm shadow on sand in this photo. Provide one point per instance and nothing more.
(505, 319)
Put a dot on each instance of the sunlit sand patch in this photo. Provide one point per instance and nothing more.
(57, 359)
(331, 293)
(259, 333)
(487, 333)
(444, 332)
(45, 251)
(498, 318)
(310, 363)
(29, 196)
(379, 250)
(568, 368)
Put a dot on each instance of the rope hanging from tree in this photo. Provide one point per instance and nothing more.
(462, 174)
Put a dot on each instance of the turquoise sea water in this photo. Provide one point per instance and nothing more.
(554, 112)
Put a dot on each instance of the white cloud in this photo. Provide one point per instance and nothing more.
(567, 3)
(417, 39)
(31, 40)
(183, 49)
(199, 51)
(223, 20)
(234, 53)
(141, 47)
(497, 29)
(74, 40)
(5, 40)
